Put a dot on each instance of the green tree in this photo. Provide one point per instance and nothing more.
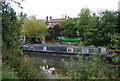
(107, 32)
(84, 17)
(86, 24)
(54, 32)
(68, 26)
(10, 27)
(93, 26)
(21, 18)
(35, 28)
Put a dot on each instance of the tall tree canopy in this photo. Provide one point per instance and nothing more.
(10, 26)
(107, 32)
(68, 26)
(102, 30)
(86, 24)
(34, 27)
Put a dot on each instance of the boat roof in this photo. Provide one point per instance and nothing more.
(60, 45)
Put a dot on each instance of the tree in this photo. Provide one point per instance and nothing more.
(93, 26)
(21, 18)
(68, 26)
(54, 32)
(118, 24)
(84, 17)
(10, 26)
(108, 35)
(35, 28)
(85, 24)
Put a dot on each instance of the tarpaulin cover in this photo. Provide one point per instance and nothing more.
(68, 39)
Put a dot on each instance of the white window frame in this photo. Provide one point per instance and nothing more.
(44, 48)
(69, 49)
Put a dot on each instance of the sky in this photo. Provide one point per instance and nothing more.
(60, 8)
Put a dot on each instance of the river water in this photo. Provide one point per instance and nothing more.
(51, 65)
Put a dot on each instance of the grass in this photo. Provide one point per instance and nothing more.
(8, 73)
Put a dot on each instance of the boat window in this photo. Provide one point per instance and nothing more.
(94, 50)
(69, 49)
(38, 48)
(63, 49)
(25, 48)
(91, 50)
(32, 48)
(77, 50)
(44, 48)
(103, 51)
(51, 48)
(85, 51)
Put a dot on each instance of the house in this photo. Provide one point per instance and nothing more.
(52, 22)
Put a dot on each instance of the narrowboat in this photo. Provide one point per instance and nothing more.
(64, 50)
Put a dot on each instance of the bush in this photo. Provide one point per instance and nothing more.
(13, 61)
(92, 68)
(116, 59)
(9, 76)
(22, 66)
(28, 70)
(10, 57)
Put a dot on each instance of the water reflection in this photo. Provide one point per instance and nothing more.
(49, 64)
(49, 71)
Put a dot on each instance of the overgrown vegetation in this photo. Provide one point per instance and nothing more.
(19, 67)
(90, 68)
(22, 67)
(102, 30)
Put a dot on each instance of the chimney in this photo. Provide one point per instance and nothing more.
(65, 16)
(46, 18)
(50, 17)
(68, 17)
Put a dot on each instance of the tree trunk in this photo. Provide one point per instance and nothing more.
(26, 39)
(43, 40)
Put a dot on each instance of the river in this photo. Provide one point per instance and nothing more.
(49, 62)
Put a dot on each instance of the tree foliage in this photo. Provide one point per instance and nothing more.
(107, 34)
(84, 17)
(102, 30)
(68, 26)
(87, 24)
(10, 26)
(34, 27)
(53, 33)
(94, 68)
(21, 18)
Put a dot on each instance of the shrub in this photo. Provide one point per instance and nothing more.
(28, 70)
(9, 76)
(22, 66)
(92, 68)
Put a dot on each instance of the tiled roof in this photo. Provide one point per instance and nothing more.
(54, 21)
